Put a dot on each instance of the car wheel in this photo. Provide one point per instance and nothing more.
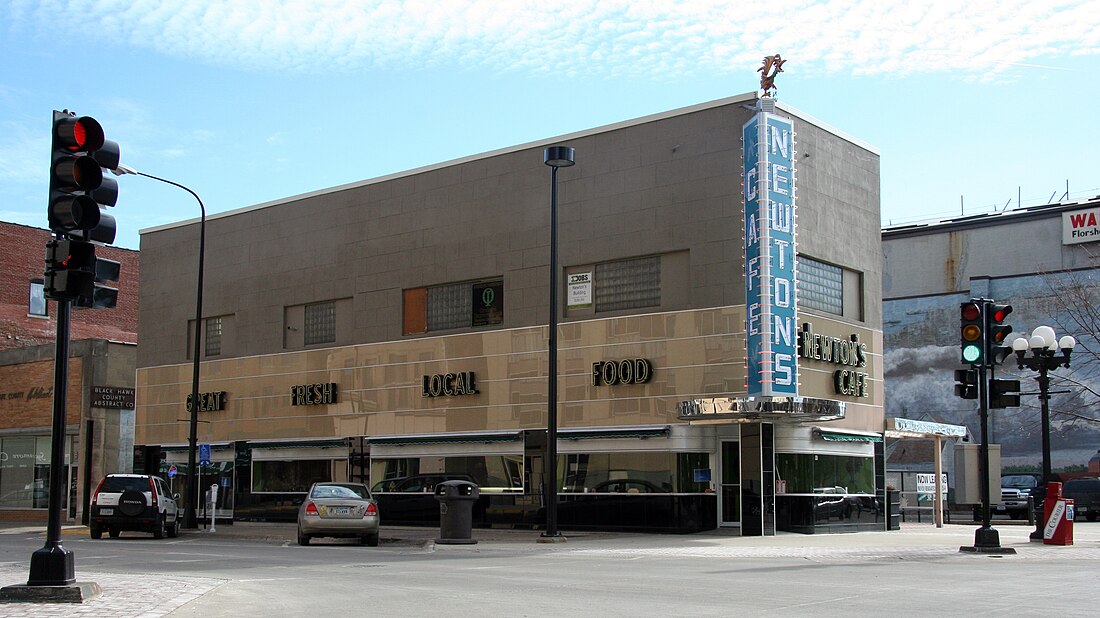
(95, 531)
(158, 528)
(174, 530)
(370, 540)
(303, 539)
(114, 532)
(1092, 516)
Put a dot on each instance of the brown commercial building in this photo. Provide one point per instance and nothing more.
(394, 331)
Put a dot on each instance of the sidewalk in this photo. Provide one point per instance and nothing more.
(141, 595)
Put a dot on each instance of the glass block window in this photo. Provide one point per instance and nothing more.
(820, 286)
(37, 303)
(213, 336)
(320, 323)
(449, 306)
(628, 284)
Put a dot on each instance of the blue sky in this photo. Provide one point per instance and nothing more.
(254, 100)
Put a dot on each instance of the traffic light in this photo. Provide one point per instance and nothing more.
(966, 383)
(972, 332)
(996, 332)
(74, 273)
(70, 269)
(78, 187)
(1004, 394)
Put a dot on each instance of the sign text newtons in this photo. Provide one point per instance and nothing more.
(849, 352)
(313, 394)
(448, 384)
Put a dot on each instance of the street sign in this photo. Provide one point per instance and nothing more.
(172, 471)
(204, 454)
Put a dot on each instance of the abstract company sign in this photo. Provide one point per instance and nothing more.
(1081, 226)
(449, 384)
(771, 354)
(113, 397)
(313, 394)
(635, 371)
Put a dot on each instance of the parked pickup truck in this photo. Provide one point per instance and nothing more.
(1086, 496)
(1015, 488)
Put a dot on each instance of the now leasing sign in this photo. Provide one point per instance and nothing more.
(772, 341)
(1081, 226)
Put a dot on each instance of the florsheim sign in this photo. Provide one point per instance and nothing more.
(772, 338)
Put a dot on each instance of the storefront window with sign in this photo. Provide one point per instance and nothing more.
(25, 471)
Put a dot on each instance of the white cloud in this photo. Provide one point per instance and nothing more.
(632, 37)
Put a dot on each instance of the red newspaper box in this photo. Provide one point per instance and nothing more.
(1058, 513)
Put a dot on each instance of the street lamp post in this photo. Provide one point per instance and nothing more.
(1044, 346)
(189, 520)
(555, 157)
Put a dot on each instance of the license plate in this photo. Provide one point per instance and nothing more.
(341, 510)
(106, 511)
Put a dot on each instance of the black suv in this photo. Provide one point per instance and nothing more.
(1086, 496)
(133, 502)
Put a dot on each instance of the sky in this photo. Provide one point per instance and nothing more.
(973, 106)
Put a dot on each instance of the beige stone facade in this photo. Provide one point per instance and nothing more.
(664, 190)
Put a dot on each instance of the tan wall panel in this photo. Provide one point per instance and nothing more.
(693, 353)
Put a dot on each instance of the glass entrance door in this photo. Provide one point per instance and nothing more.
(729, 484)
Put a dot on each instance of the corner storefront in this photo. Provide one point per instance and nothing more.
(714, 370)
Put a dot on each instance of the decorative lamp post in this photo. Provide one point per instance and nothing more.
(555, 157)
(191, 497)
(1045, 347)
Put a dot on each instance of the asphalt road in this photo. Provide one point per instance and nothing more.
(917, 572)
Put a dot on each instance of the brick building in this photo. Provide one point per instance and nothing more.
(26, 318)
(99, 401)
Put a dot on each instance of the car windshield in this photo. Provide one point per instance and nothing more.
(1023, 481)
(357, 492)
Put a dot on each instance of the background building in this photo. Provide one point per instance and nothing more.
(394, 331)
(1045, 262)
(100, 399)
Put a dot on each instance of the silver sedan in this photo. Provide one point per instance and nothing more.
(339, 510)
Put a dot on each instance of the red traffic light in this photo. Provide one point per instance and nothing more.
(971, 311)
(78, 134)
(998, 313)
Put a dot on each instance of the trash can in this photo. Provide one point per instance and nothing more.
(893, 509)
(456, 512)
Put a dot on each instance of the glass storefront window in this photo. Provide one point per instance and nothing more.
(645, 472)
(825, 474)
(289, 476)
(491, 473)
(25, 471)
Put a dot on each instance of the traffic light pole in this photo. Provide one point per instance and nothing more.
(53, 565)
(985, 537)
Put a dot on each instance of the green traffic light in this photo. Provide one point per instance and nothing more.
(972, 353)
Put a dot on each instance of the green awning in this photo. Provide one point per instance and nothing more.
(611, 434)
(445, 439)
(848, 437)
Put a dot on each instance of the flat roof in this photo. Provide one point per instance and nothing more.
(1004, 217)
(741, 98)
